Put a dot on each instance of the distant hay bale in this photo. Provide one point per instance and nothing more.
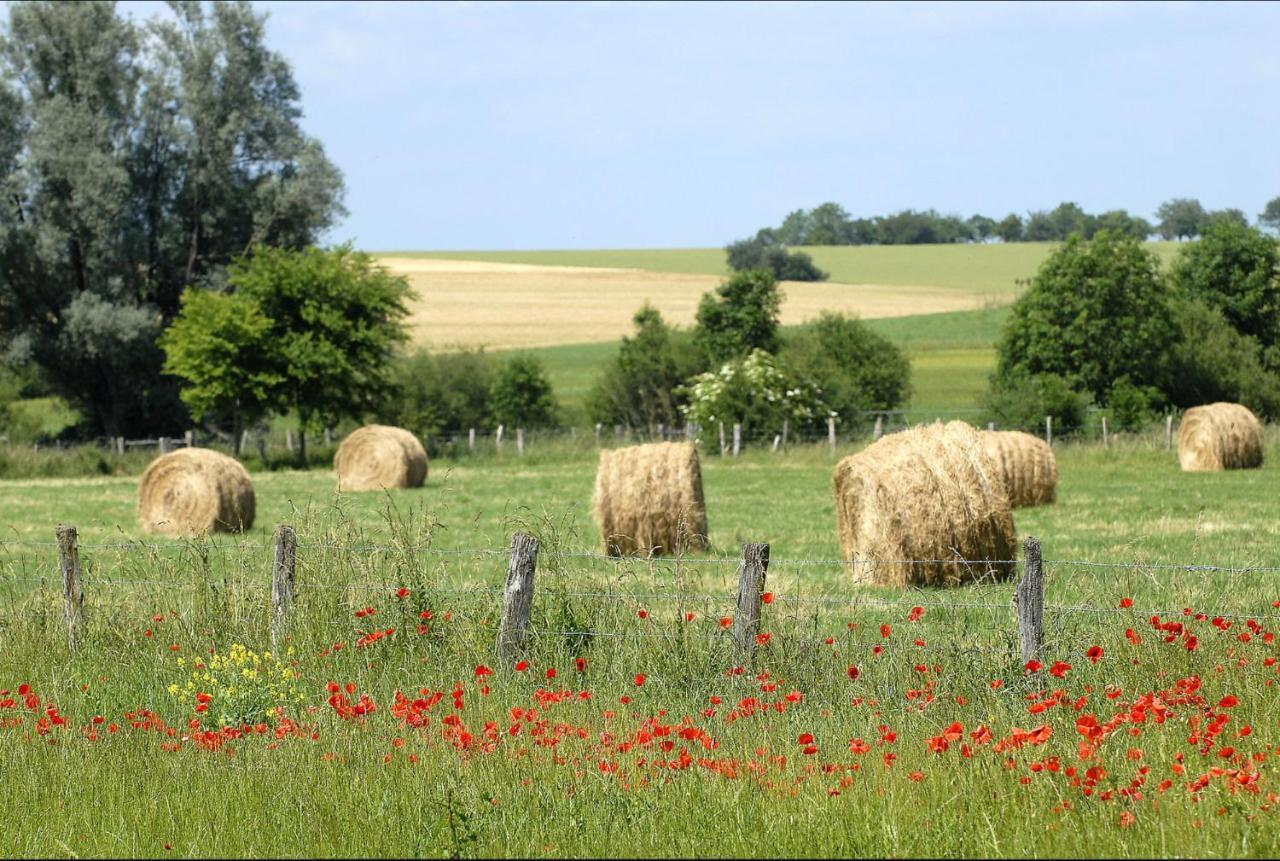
(648, 499)
(1219, 436)
(926, 506)
(1027, 464)
(377, 457)
(195, 491)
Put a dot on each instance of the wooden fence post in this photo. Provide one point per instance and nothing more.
(72, 593)
(1168, 432)
(283, 582)
(520, 441)
(879, 428)
(746, 622)
(662, 432)
(517, 597)
(723, 447)
(737, 438)
(120, 445)
(1104, 432)
(288, 439)
(164, 445)
(498, 437)
(831, 434)
(688, 431)
(328, 436)
(1048, 429)
(1029, 599)
(190, 437)
(991, 426)
(599, 428)
(471, 439)
(786, 427)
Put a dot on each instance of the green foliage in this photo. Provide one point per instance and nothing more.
(1212, 361)
(740, 316)
(755, 392)
(336, 318)
(135, 165)
(1270, 215)
(854, 368)
(1180, 218)
(1131, 407)
(220, 347)
(432, 393)
(1236, 269)
(1020, 401)
(1097, 310)
(521, 395)
(1009, 229)
(641, 386)
(37, 419)
(764, 252)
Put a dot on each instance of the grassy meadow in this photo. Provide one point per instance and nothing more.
(385, 723)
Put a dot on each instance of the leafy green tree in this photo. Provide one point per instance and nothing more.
(1017, 400)
(1270, 215)
(764, 252)
(1009, 229)
(829, 224)
(1096, 311)
(795, 228)
(740, 316)
(1068, 218)
(641, 387)
(1236, 269)
(1120, 221)
(134, 165)
(1180, 218)
(1213, 361)
(981, 228)
(432, 393)
(219, 346)
(755, 392)
(336, 318)
(1231, 215)
(854, 369)
(521, 396)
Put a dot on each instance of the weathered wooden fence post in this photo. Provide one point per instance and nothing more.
(878, 431)
(119, 445)
(498, 437)
(164, 445)
(723, 447)
(688, 431)
(283, 582)
(1104, 432)
(831, 434)
(599, 428)
(517, 597)
(328, 436)
(1168, 432)
(662, 432)
(1029, 599)
(190, 437)
(737, 438)
(520, 441)
(1048, 429)
(288, 440)
(786, 428)
(471, 439)
(746, 622)
(72, 592)
(991, 426)
(777, 438)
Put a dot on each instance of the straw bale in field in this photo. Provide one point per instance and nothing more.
(648, 499)
(377, 457)
(926, 506)
(1027, 464)
(1219, 436)
(195, 491)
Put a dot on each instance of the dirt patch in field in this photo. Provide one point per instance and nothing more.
(505, 305)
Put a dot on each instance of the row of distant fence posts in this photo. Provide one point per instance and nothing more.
(518, 594)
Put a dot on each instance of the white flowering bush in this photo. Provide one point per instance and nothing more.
(755, 392)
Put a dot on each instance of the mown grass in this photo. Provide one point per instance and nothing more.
(594, 776)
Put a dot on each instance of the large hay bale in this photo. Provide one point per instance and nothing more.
(926, 506)
(1219, 436)
(1027, 464)
(195, 491)
(377, 457)
(648, 499)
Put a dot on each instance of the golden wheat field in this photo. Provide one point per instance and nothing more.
(467, 303)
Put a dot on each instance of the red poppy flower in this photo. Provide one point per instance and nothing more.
(1227, 702)
(402, 592)
(689, 617)
(640, 677)
(643, 614)
(915, 614)
(1060, 669)
(580, 664)
(551, 672)
(885, 631)
(1125, 603)
(853, 673)
(916, 776)
(766, 598)
(763, 639)
(1094, 654)
(805, 738)
(1033, 666)
(482, 670)
(521, 666)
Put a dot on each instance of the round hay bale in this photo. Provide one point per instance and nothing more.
(1219, 436)
(377, 457)
(195, 491)
(648, 499)
(926, 506)
(1027, 464)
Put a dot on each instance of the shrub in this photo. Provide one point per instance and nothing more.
(521, 395)
(763, 251)
(1020, 401)
(1096, 311)
(1214, 362)
(740, 316)
(854, 368)
(642, 385)
(432, 393)
(754, 392)
(1131, 407)
(1235, 269)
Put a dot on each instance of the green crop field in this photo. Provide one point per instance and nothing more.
(385, 722)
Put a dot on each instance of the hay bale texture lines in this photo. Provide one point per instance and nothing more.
(926, 506)
(648, 499)
(1027, 464)
(378, 457)
(195, 491)
(1219, 436)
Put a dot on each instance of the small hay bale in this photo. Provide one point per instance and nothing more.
(1219, 436)
(195, 491)
(377, 457)
(1027, 464)
(648, 499)
(926, 506)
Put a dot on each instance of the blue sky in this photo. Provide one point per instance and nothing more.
(611, 125)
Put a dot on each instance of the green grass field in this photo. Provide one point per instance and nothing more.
(923, 738)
